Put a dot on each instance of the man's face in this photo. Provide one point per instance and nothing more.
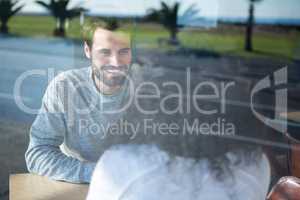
(110, 55)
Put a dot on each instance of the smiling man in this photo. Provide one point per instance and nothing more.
(64, 144)
(110, 54)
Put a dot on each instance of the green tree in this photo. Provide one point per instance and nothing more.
(61, 13)
(167, 15)
(8, 8)
(250, 24)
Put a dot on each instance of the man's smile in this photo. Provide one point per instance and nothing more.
(121, 70)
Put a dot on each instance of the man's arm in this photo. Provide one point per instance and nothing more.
(43, 155)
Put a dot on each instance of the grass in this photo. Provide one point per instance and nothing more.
(228, 41)
(32, 26)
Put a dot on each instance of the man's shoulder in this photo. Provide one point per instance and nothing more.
(65, 82)
(73, 75)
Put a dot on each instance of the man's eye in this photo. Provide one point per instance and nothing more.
(105, 52)
(124, 51)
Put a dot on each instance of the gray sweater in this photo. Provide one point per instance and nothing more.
(70, 132)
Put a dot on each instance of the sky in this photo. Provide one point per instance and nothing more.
(287, 9)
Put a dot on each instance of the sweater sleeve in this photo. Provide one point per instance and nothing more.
(47, 133)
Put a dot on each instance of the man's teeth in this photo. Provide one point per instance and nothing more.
(112, 70)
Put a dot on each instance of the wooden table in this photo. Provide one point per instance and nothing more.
(292, 116)
(34, 187)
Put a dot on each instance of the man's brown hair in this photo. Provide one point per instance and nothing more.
(89, 29)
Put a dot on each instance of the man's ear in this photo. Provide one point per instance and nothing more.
(87, 50)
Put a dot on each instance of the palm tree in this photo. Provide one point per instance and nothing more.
(168, 17)
(8, 9)
(61, 13)
(250, 24)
